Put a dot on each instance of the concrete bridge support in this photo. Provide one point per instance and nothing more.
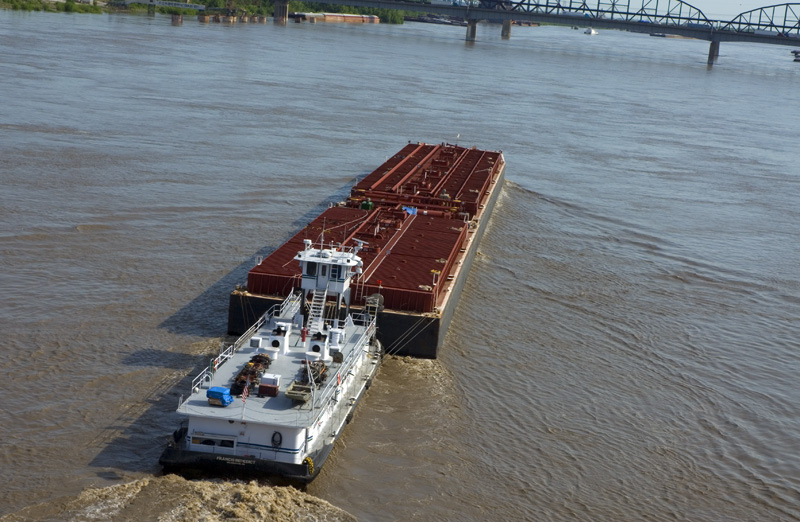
(472, 30)
(281, 13)
(713, 52)
(505, 33)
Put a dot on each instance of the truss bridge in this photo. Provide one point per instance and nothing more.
(775, 24)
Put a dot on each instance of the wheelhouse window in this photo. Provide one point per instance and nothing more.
(311, 268)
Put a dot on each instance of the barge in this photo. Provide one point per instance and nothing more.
(418, 219)
(275, 401)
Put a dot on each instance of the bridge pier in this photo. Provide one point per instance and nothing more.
(472, 30)
(505, 33)
(281, 13)
(713, 52)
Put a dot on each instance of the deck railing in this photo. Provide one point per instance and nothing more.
(320, 398)
(287, 308)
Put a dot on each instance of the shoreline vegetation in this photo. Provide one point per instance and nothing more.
(251, 7)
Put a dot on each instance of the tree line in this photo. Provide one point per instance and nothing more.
(252, 7)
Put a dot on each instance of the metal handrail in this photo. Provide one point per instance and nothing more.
(320, 399)
(328, 390)
(289, 305)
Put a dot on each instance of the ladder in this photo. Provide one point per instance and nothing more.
(316, 317)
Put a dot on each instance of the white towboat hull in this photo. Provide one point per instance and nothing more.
(177, 457)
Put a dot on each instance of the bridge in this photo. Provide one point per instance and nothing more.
(775, 24)
(152, 3)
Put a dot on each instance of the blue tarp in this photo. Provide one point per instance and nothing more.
(219, 396)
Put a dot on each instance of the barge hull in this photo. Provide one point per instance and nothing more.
(401, 332)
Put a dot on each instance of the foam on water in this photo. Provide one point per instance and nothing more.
(171, 499)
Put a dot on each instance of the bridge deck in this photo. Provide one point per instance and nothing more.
(773, 25)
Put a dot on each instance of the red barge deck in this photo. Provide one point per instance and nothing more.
(420, 217)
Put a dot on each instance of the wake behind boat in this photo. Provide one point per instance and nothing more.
(297, 375)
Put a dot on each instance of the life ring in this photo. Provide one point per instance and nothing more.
(338, 379)
(310, 464)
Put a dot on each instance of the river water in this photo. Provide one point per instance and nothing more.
(626, 347)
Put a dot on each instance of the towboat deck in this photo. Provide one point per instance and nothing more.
(286, 366)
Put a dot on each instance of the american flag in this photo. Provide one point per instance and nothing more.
(246, 390)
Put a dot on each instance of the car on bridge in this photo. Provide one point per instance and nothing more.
(698, 25)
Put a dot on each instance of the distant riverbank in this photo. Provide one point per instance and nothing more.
(67, 6)
(387, 16)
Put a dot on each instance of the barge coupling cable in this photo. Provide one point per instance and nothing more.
(396, 347)
(247, 306)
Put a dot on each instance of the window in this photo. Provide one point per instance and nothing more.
(311, 268)
(223, 443)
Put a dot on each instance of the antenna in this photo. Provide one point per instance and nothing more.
(359, 245)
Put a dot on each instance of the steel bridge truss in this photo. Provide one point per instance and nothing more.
(664, 12)
(780, 20)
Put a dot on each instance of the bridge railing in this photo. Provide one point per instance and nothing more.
(665, 12)
(774, 20)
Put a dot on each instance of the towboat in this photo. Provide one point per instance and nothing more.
(276, 400)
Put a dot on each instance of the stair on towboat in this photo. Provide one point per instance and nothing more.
(316, 317)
